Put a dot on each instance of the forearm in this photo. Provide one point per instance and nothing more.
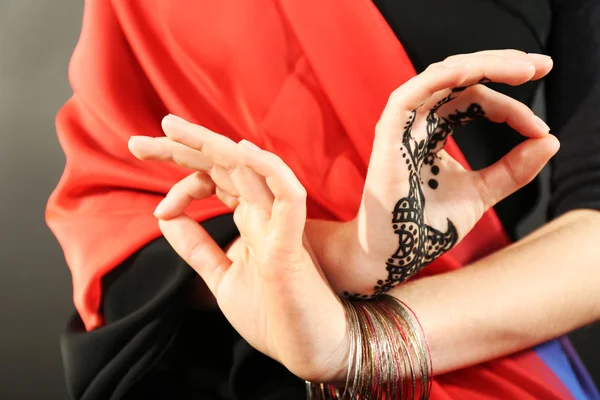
(539, 288)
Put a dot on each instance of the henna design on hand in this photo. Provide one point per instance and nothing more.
(418, 243)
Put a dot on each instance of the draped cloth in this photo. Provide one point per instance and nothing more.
(306, 80)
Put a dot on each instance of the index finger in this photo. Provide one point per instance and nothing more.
(452, 73)
(218, 148)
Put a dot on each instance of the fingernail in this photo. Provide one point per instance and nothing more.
(159, 209)
(140, 139)
(540, 122)
(249, 144)
(176, 120)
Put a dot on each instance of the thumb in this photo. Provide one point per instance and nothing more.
(515, 169)
(197, 248)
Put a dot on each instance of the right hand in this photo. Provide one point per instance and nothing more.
(418, 202)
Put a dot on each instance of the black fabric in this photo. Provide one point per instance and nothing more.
(467, 26)
(573, 104)
(153, 347)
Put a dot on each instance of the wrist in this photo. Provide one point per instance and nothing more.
(336, 248)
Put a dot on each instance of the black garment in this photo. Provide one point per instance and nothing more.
(152, 347)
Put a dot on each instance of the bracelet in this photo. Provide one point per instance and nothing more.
(389, 357)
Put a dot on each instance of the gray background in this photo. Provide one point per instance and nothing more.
(37, 38)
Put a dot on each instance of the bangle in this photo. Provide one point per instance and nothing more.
(389, 357)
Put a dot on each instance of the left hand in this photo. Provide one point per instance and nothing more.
(418, 201)
(269, 285)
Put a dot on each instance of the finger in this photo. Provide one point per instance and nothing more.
(479, 101)
(197, 248)
(196, 186)
(222, 178)
(164, 149)
(463, 71)
(497, 107)
(226, 198)
(453, 73)
(252, 224)
(543, 63)
(253, 188)
(515, 170)
(288, 214)
(217, 148)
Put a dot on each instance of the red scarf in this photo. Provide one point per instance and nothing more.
(304, 79)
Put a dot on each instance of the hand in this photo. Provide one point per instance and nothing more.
(419, 202)
(434, 202)
(271, 289)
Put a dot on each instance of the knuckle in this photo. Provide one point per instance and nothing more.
(487, 197)
(512, 173)
(300, 193)
(395, 96)
(454, 57)
(378, 127)
(434, 67)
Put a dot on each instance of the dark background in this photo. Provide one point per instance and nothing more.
(37, 38)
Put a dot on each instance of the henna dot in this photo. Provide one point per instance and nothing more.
(395, 226)
(408, 161)
(414, 251)
(356, 294)
(364, 296)
(409, 258)
(346, 294)
(402, 262)
(433, 183)
(380, 282)
(391, 260)
(387, 280)
(404, 155)
(435, 170)
(403, 226)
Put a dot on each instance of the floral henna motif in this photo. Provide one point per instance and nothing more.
(418, 243)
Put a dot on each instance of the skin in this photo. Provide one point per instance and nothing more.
(461, 198)
(560, 257)
(270, 285)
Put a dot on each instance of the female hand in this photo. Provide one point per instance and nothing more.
(418, 202)
(433, 201)
(271, 290)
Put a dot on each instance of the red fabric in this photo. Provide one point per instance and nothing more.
(305, 79)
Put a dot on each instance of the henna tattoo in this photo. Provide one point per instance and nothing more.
(418, 243)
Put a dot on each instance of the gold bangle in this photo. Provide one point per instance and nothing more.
(389, 355)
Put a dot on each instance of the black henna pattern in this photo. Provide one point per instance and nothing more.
(418, 243)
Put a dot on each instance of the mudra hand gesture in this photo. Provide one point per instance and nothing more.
(418, 202)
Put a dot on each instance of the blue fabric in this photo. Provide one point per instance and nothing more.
(561, 358)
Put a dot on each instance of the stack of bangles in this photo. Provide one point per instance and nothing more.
(389, 356)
